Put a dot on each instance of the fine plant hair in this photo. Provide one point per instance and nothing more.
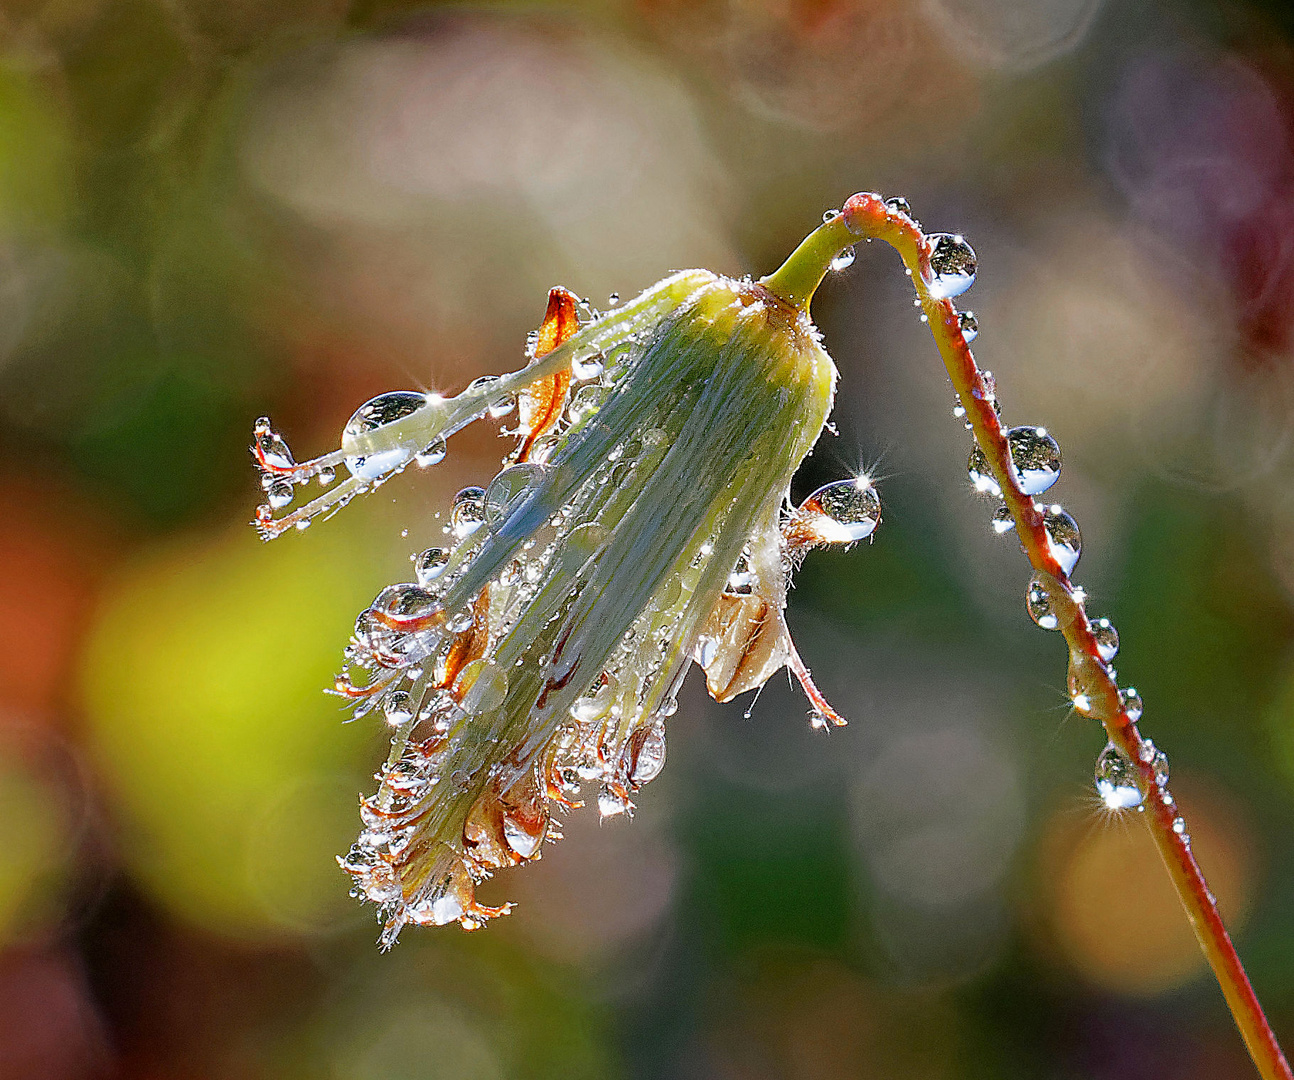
(642, 524)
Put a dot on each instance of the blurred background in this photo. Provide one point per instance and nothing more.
(216, 209)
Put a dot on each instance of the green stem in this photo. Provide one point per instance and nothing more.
(796, 280)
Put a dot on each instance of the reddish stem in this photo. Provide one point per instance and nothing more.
(866, 215)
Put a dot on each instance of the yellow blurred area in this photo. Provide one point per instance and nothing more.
(234, 777)
(34, 835)
(1111, 909)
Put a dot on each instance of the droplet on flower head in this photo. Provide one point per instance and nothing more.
(374, 414)
(509, 490)
(1036, 458)
(587, 401)
(398, 707)
(1116, 780)
(1063, 538)
(468, 512)
(951, 265)
(842, 512)
(430, 565)
(1107, 639)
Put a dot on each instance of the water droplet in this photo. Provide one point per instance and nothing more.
(968, 325)
(1156, 759)
(405, 600)
(593, 706)
(1082, 679)
(265, 513)
(380, 412)
(1107, 639)
(468, 512)
(303, 524)
(1036, 458)
(648, 757)
(951, 263)
(1002, 521)
(1132, 705)
(587, 401)
(1116, 780)
(981, 476)
(1179, 826)
(272, 447)
(460, 622)
(844, 511)
(587, 366)
(899, 205)
(707, 648)
(1063, 537)
(279, 494)
(431, 454)
(398, 707)
(524, 837)
(829, 215)
(430, 565)
(509, 490)
(501, 406)
(1037, 600)
(327, 475)
(611, 803)
(844, 260)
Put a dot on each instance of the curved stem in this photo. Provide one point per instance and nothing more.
(796, 280)
(866, 215)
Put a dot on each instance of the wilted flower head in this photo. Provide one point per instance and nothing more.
(641, 524)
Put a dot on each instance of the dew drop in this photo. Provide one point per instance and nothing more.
(279, 494)
(1116, 780)
(899, 205)
(405, 600)
(707, 648)
(588, 366)
(1002, 521)
(587, 401)
(827, 215)
(431, 454)
(1036, 457)
(1037, 600)
(1179, 826)
(468, 512)
(461, 622)
(1131, 704)
(648, 756)
(509, 490)
(1107, 639)
(501, 406)
(593, 706)
(430, 565)
(611, 803)
(844, 511)
(981, 476)
(951, 263)
(524, 837)
(376, 413)
(968, 325)
(844, 260)
(327, 475)
(398, 707)
(265, 513)
(272, 447)
(1063, 537)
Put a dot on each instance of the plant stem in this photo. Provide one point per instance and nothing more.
(866, 216)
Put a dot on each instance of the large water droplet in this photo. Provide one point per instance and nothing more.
(951, 263)
(844, 511)
(1107, 639)
(1063, 538)
(430, 565)
(1036, 457)
(648, 756)
(271, 445)
(611, 803)
(380, 412)
(981, 476)
(468, 512)
(279, 494)
(844, 260)
(509, 490)
(524, 837)
(1116, 780)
